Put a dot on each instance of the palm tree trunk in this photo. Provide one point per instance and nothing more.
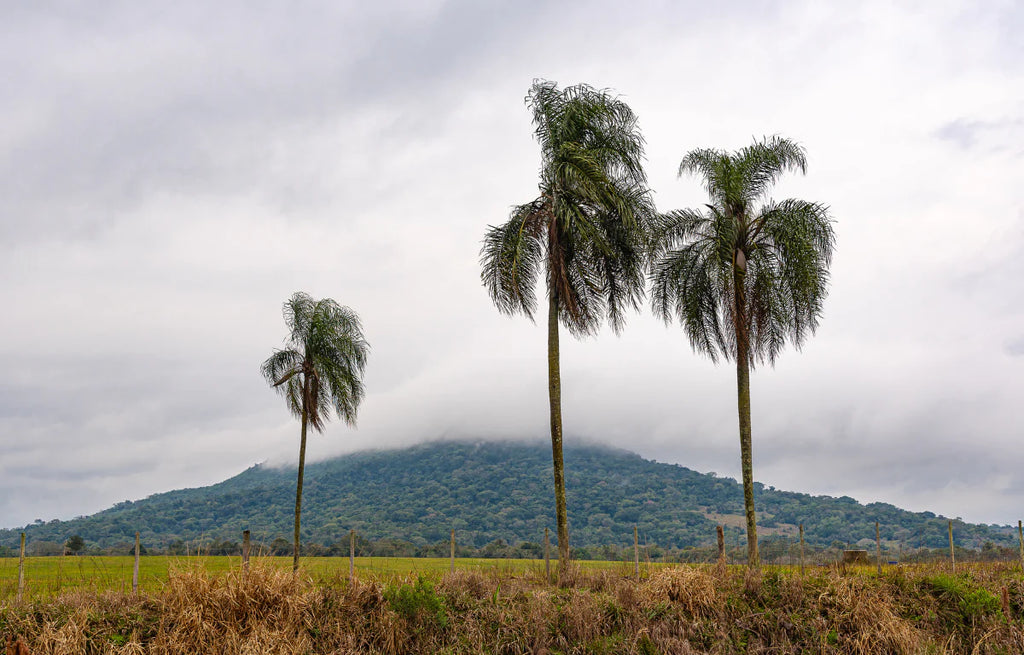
(302, 467)
(743, 406)
(746, 455)
(555, 398)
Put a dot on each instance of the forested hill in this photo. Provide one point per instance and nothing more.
(488, 491)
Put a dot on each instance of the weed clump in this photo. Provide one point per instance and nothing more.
(691, 588)
(418, 603)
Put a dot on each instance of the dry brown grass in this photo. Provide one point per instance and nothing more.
(691, 588)
(687, 609)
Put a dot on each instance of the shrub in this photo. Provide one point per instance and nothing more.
(418, 603)
(973, 603)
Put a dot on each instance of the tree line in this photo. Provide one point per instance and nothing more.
(773, 549)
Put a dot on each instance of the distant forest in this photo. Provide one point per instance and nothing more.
(497, 497)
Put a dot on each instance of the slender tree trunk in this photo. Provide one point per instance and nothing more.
(555, 397)
(302, 467)
(743, 406)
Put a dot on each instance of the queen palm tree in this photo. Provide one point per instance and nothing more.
(320, 369)
(586, 231)
(745, 274)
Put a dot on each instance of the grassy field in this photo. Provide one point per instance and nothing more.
(49, 576)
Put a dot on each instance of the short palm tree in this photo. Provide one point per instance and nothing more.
(746, 273)
(586, 231)
(320, 369)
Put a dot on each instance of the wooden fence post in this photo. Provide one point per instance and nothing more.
(547, 555)
(636, 552)
(451, 567)
(21, 568)
(1020, 534)
(351, 554)
(801, 549)
(245, 552)
(878, 548)
(721, 547)
(952, 553)
(135, 570)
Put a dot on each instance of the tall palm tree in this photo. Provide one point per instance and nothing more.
(320, 369)
(746, 273)
(586, 230)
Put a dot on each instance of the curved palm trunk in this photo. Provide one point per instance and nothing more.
(743, 406)
(302, 466)
(555, 398)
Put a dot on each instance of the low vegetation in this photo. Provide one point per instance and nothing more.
(676, 609)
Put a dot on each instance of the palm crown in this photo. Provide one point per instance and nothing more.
(321, 368)
(743, 254)
(588, 225)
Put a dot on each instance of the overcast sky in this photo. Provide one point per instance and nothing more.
(170, 173)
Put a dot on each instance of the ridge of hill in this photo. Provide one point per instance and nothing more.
(498, 490)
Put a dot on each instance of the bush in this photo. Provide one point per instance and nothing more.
(418, 603)
(972, 603)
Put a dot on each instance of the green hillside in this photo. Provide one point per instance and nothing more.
(490, 491)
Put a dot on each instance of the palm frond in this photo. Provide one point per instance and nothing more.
(298, 311)
(761, 164)
(511, 256)
(281, 366)
(685, 285)
(800, 235)
(280, 371)
(769, 309)
(672, 229)
(711, 165)
(620, 257)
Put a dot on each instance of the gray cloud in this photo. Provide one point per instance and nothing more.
(960, 132)
(993, 135)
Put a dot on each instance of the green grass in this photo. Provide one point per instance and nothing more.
(49, 576)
